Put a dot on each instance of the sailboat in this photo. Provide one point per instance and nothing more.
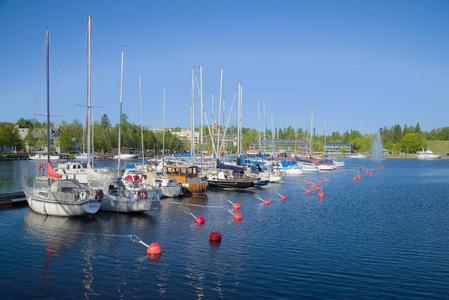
(75, 170)
(128, 193)
(169, 187)
(52, 195)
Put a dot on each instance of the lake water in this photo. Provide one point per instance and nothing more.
(385, 236)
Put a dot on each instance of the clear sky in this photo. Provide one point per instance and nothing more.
(354, 64)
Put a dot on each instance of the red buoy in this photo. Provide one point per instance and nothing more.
(266, 202)
(318, 188)
(308, 182)
(154, 249)
(215, 237)
(283, 197)
(308, 191)
(236, 206)
(238, 217)
(315, 185)
(321, 195)
(200, 220)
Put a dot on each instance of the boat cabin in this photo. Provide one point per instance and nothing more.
(181, 173)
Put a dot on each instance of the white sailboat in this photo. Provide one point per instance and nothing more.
(73, 170)
(51, 195)
(128, 193)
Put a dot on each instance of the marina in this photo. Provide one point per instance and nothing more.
(235, 150)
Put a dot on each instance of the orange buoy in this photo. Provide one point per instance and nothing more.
(200, 220)
(236, 206)
(215, 237)
(283, 197)
(321, 195)
(308, 191)
(308, 182)
(154, 249)
(266, 202)
(238, 217)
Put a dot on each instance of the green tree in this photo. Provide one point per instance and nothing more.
(412, 142)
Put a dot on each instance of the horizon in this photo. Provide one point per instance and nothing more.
(358, 66)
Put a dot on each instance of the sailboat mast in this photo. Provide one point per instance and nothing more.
(163, 130)
(219, 110)
(120, 116)
(201, 115)
(141, 120)
(89, 94)
(272, 135)
(47, 47)
(238, 117)
(258, 124)
(192, 130)
(324, 148)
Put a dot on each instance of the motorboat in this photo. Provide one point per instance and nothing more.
(39, 156)
(325, 167)
(223, 178)
(308, 167)
(169, 187)
(187, 176)
(339, 163)
(358, 156)
(427, 155)
(125, 156)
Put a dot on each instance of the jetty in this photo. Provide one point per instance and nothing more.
(10, 200)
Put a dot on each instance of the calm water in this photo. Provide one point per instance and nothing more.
(386, 236)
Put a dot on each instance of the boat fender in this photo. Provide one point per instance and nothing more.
(83, 195)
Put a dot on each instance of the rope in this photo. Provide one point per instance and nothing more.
(197, 205)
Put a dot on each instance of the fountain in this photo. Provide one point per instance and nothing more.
(377, 148)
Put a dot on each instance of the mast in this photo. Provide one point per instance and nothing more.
(212, 119)
(120, 116)
(201, 113)
(258, 124)
(272, 135)
(324, 148)
(311, 133)
(238, 117)
(141, 121)
(47, 47)
(192, 130)
(219, 110)
(163, 130)
(89, 94)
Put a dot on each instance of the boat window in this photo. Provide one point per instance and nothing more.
(67, 190)
(79, 166)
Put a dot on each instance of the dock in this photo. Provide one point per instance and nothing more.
(11, 200)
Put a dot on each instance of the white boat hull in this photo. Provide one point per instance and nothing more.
(293, 171)
(125, 156)
(274, 178)
(61, 209)
(326, 168)
(43, 157)
(171, 191)
(309, 168)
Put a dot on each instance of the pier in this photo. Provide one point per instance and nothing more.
(11, 200)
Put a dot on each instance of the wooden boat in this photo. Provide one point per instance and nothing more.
(188, 177)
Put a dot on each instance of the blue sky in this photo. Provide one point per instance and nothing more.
(354, 64)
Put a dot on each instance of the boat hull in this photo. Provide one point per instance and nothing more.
(195, 188)
(231, 184)
(171, 191)
(62, 209)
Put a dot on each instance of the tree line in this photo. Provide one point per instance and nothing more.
(397, 138)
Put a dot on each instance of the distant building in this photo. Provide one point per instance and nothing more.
(186, 134)
(335, 148)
